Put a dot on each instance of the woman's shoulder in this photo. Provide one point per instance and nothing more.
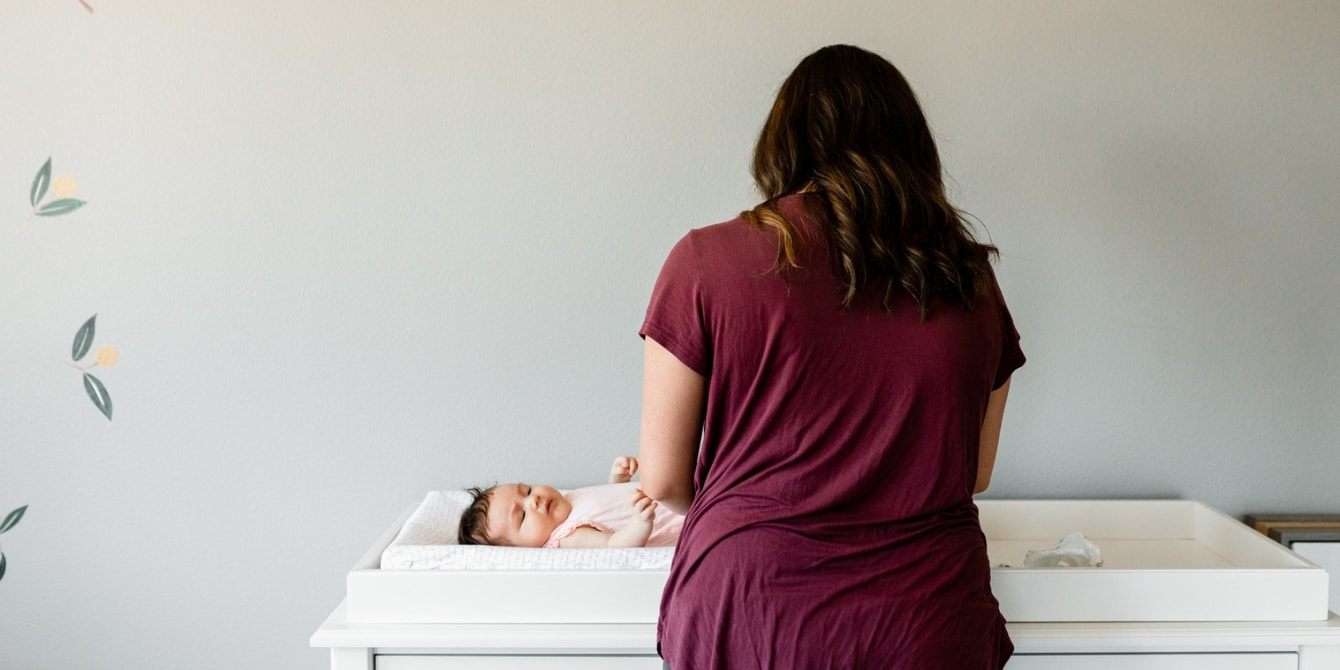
(802, 209)
(713, 234)
(727, 241)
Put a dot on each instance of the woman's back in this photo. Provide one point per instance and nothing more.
(833, 509)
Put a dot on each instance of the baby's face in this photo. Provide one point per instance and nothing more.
(522, 515)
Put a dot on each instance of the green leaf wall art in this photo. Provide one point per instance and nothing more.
(106, 357)
(84, 338)
(11, 520)
(62, 186)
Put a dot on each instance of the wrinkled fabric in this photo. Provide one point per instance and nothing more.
(609, 507)
(833, 524)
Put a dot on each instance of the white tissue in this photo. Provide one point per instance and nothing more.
(1073, 551)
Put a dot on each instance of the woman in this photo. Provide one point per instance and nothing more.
(824, 383)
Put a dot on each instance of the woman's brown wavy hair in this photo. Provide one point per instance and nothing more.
(847, 126)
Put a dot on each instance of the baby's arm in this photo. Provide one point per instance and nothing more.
(623, 469)
(586, 537)
(637, 531)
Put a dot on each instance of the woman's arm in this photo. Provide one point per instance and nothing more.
(986, 451)
(672, 426)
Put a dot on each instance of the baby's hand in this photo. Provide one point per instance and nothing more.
(623, 469)
(638, 529)
(644, 508)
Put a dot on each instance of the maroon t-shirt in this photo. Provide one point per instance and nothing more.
(832, 524)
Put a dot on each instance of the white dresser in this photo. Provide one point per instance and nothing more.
(1038, 646)
(1182, 586)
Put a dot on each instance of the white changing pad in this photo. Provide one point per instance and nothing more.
(427, 541)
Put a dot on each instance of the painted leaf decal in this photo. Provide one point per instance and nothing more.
(13, 519)
(58, 207)
(40, 184)
(83, 339)
(2, 566)
(98, 393)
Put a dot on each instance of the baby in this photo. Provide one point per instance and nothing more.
(615, 515)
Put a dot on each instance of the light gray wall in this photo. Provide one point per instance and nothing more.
(350, 252)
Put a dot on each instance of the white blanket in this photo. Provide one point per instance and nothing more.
(427, 541)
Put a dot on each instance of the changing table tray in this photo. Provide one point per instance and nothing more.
(1164, 560)
(498, 596)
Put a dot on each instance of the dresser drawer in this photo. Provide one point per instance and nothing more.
(453, 662)
(1250, 661)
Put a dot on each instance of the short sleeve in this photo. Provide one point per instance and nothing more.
(569, 528)
(1012, 355)
(675, 317)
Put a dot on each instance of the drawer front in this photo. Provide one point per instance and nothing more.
(1250, 661)
(451, 662)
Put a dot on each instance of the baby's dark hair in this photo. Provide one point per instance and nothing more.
(474, 522)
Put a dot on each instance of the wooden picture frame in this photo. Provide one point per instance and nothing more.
(1289, 528)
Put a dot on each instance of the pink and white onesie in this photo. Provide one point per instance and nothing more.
(609, 508)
